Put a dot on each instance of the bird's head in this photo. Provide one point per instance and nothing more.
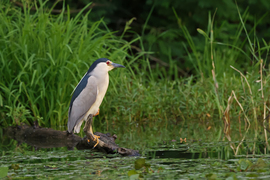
(103, 65)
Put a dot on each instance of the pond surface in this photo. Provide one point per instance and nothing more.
(167, 160)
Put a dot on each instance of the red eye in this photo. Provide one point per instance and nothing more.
(108, 62)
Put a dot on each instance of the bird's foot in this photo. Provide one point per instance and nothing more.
(95, 138)
(97, 113)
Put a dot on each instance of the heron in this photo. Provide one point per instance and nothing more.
(88, 95)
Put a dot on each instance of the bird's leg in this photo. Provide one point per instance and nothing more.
(88, 130)
(95, 136)
(91, 130)
(87, 127)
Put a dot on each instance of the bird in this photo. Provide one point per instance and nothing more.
(88, 95)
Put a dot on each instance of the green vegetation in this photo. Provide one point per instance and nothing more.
(43, 57)
(64, 164)
(156, 24)
(195, 103)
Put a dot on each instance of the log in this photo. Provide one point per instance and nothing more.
(39, 137)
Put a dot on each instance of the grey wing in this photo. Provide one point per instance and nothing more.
(82, 103)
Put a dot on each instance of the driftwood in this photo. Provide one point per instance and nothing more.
(39, 137)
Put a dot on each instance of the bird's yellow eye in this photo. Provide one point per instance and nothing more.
(108, 62)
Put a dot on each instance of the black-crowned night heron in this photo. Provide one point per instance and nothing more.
(88, 95)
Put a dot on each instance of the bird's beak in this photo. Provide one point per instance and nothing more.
(117, 65)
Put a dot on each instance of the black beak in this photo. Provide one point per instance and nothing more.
(117, 65)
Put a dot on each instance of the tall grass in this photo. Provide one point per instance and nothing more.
(217, 66)
(43, 57)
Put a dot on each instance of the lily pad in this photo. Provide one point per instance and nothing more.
(139, 163)
(134, 176)
(3, 172)
(211, 176)
(132, 172)
(244, 164)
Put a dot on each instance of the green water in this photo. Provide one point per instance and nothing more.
(167, 160)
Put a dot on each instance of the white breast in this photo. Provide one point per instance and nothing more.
(101, 91)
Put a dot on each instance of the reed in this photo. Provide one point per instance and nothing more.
(43, 57)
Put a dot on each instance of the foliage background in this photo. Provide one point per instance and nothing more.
(157, 25)
(168, 88)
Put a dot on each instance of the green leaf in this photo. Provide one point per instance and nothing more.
(3, 172)
(211, 176)
(132, 172)
(134, 176)
(244, 164)
(15, 166)
(230, 176)
(259, 165)
(139, 163)
(203, 33)
(147, 165)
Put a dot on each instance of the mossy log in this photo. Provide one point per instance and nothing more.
(39, 137)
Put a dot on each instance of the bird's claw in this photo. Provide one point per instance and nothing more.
(95, 138)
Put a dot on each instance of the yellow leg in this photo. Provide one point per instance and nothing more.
(95, 137)
(89, 131)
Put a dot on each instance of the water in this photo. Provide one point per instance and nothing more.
(166, 160)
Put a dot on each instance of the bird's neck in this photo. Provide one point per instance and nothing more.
(101, 75)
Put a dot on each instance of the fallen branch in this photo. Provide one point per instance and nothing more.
(49, 138)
